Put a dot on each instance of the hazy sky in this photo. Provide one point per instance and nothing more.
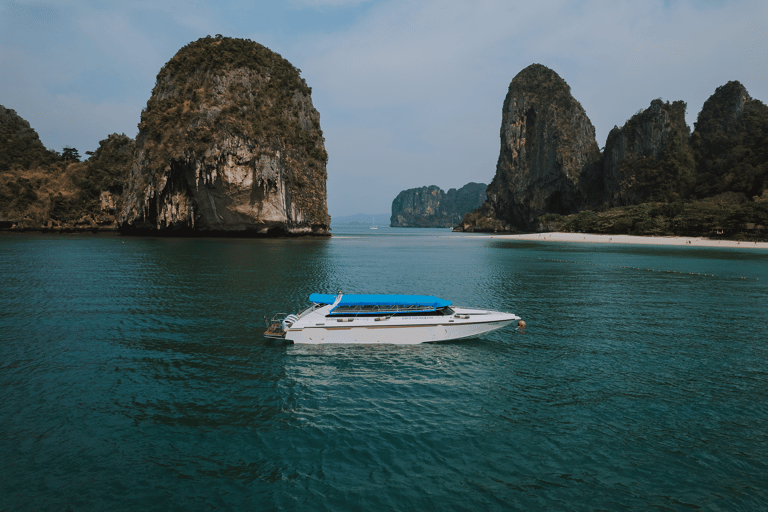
(409, 92)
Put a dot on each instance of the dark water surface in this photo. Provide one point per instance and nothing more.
(134, 377)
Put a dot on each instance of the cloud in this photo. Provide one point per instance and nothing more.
(327, 3)
(403, 52)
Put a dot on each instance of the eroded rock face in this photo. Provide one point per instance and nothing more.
(549, 160)
(730, 143)
(229, 144)
(649, 158)
(431, 207)
(723, 109)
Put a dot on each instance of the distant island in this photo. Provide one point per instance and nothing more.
(654, 177)
(431, 207)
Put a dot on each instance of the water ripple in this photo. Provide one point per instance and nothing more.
(135, 377)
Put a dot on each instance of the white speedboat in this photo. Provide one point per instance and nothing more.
(399, 319)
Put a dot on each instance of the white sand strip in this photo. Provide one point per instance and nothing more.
(629, 239)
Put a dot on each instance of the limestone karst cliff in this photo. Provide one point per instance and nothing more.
(649, 158)
(549, 160)
(431, 207)
(730, 143)
(229, 143)
(656, 178)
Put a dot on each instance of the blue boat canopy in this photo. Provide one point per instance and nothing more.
(362, 303)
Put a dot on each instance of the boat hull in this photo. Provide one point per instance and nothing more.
(402, 334)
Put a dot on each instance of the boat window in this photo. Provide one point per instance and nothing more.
(392, 313)
(381, 309)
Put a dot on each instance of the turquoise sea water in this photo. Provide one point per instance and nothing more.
(134, 377)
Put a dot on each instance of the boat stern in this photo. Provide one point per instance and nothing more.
(278, 325)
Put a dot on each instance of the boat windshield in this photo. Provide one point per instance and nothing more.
(309, 310)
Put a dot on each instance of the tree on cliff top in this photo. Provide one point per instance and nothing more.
(70, 154)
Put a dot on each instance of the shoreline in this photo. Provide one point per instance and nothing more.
(683, 241)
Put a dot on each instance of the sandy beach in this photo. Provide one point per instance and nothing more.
(629, 239)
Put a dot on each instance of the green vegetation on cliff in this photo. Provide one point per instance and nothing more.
(731, 143)
(649, 158)
(109, 165)
(41, 189)
(20, 146)
(715, 217)
(226, 84)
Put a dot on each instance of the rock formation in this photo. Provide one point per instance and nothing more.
(649, 158)
(430, 207)
(229, 143)
(549, 160)
(20, 146)
(730, 143)
(41, 190)
(107, 170)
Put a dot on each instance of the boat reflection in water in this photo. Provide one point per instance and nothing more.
(399, 319)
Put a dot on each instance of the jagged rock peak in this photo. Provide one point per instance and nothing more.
(649, 158)
(723, 108)
(9, 119)
(730, 143)
(229, 143)
(541, 81)
(549, 160)
(431, 207)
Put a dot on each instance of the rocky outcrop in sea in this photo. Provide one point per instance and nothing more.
(549, 160)
(229, 143)
(431, 207)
